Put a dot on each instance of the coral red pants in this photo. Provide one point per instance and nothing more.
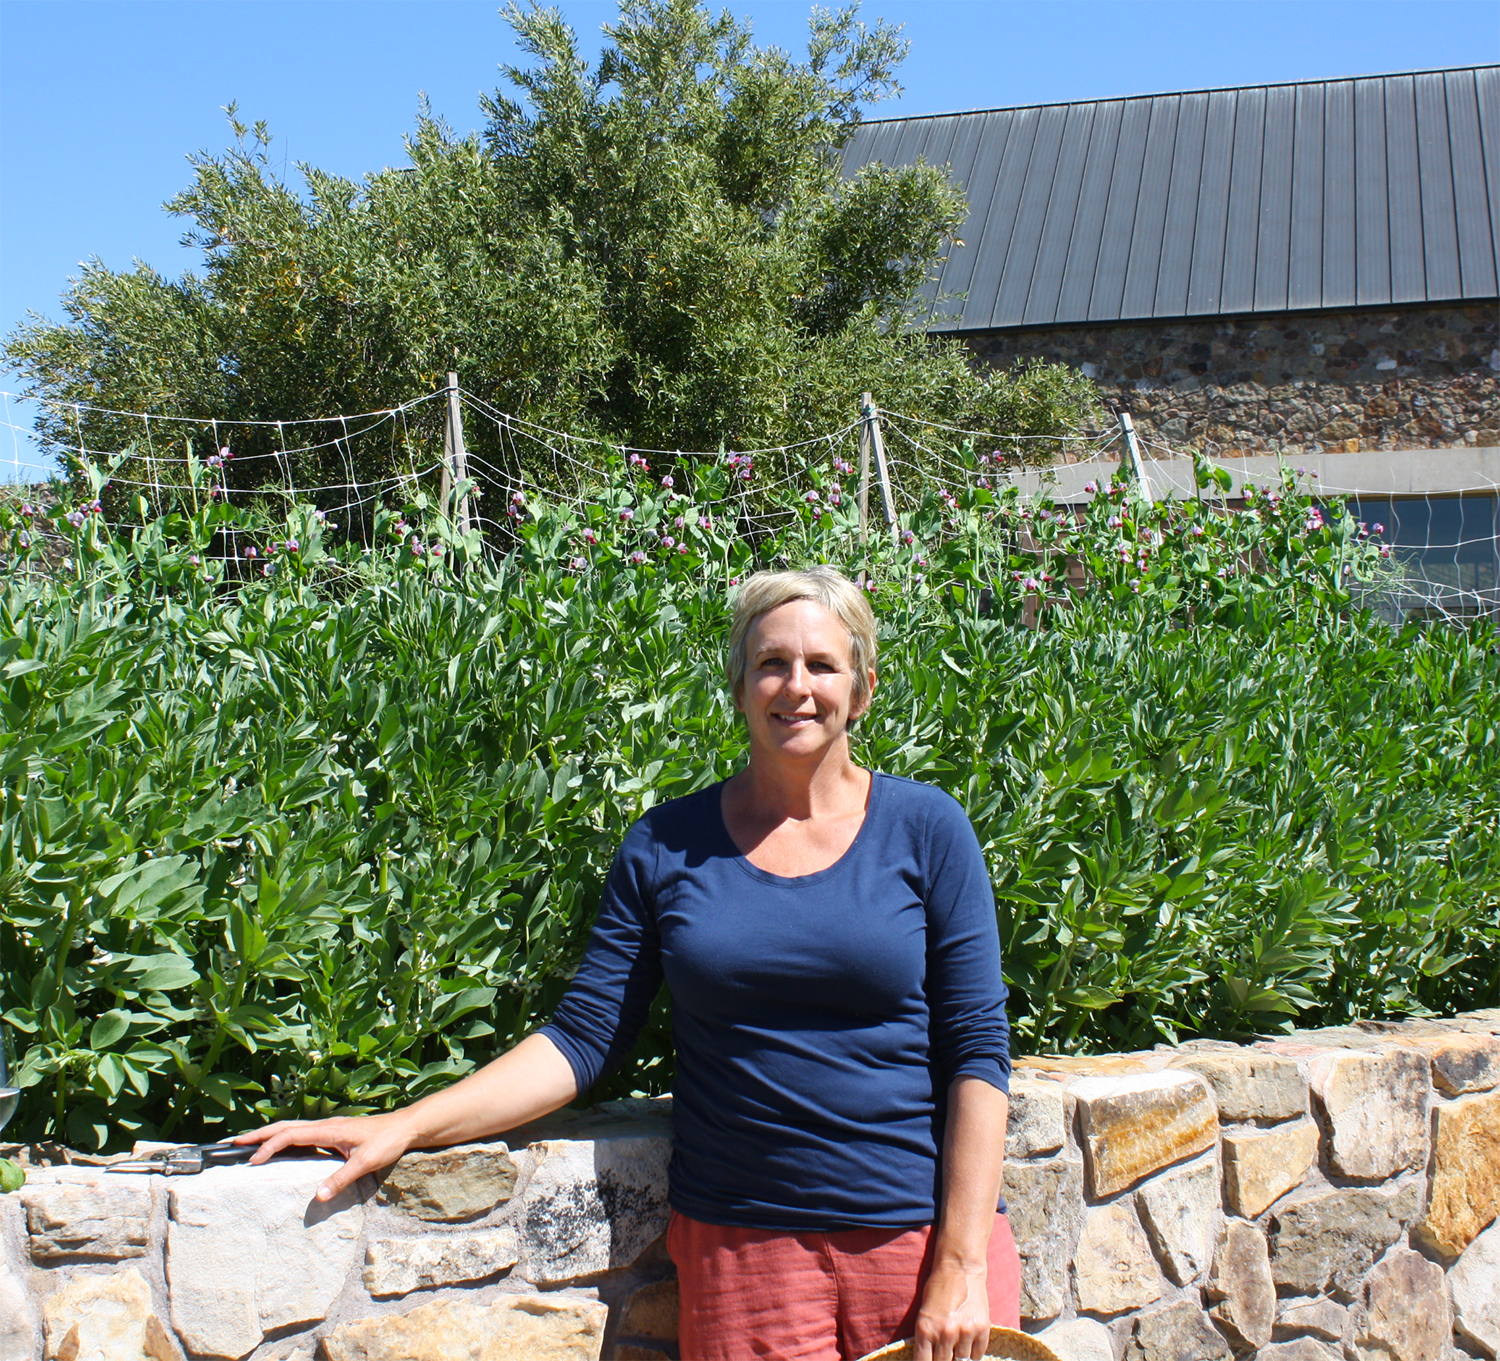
(813, 1296)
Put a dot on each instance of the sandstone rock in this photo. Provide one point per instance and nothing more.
(397, 1266)
(651, 1311)
(1039, 1113)
(1464, 1195)
(1339, 1037)
(1299, 1349)
(511, 1328)
(451, 1184)
(1461, 1063)
(1241, 1285)
(1376, 1106)
(1331, 1238)
(1404, 1314)
(1079, 1339)
(1176, 1332)
(1133, 1125)
(1474, 1281)
(1250, 1086)
(592, 1205)
(1103, 1065)
(1180, 1210)
(1044, 1202)
(1262, 1166)
(1113, 1262)
(107, 1318)
(1313, 1317)
(75, 1220)
(17, 1323)
(249, 1250)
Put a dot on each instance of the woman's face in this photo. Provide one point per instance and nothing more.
(798, 692)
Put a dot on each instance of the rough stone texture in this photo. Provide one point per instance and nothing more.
(102, 1218)
(513, 1328)
(1250, 1086)
(1404, 1314)
(1460, 1063)
(1044, 1202)
(1261, 1167)
(1079, 1339)
(107, 1318)
(1314, 1318)
(592, 1205)
(1082, 1065)
(1132, 1126)
(1241, 1285)
(1376, 1105)
(1331, 1238)
(1180, 1331)
(1474, 1281)
(451, 1184)
(397, 1266)
(1113, 1264)
(17, 1324)
(1039, 1114)
(1299, 1349)
(1394, 378)
(249, 1250)
(1464, 1196)
(1180, 1210)
(651, 1312)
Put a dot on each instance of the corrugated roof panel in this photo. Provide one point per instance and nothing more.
(1305, 244)
(1476, 247)
(1181, 215)
(1366, 191)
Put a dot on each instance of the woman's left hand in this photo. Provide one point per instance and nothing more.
(954, 1321)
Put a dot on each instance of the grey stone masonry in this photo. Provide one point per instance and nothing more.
(1326, 1195)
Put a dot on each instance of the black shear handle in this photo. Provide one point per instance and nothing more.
(224, 1155)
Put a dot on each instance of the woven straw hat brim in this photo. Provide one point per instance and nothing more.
(1004, 1342)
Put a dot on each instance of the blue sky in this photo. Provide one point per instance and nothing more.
(101, 102)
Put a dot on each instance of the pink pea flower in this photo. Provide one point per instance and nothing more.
(680, 522)
(627, 514)
(908, 538)
(810, 497)
(193, 558)
(589, 537)
(704, 522)
(637, 557)
(1378, 528)
(292, 546)
(681, 549)
(667, 482)
(518, 498)
(1031, 584)
(1091, 487)
(668, 542)
(252, 551)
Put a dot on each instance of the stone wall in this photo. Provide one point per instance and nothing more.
(1398, 378)
(1327, 1196)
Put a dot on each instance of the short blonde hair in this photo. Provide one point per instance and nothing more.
(825, 586)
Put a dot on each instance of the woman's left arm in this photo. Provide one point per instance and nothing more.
(954, 1321)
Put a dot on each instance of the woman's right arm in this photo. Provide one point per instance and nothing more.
(524, 1084)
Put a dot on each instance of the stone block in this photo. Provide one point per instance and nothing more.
(1376, 1106)
(1044, 1202)
(1081, 1065)
(97, 1219)
(450, 1184)
(1248, 1085)
(1079, 1339)
(1328, 1240)
(1403, 1313)
(397, 1266)
(1461, 1063)
(1299, 1349)
(1262, 1166)
(1312, 1318)
(1464, 1194)
(1113, 1263)
(1039, 1116)
(1180, 1331)
(591, 1205)
(1240, 1285)
(650, 1311)
(1134, 1125)
(250, 1251)
(17, 1321)
(552, 1327)
(1180, 1209)
(1474, 1283)
(107, 1318)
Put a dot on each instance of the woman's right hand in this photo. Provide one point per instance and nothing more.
(368, 1143)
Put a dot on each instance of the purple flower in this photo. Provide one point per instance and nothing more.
(590, 537)
(1378, 528)
(638, 557)
(627, 514)
(320, 516)
(252, 551)
(834, 498)
(292, 546)
(416, 548)
(1113, 522)
(1031, 584)
(225, 452)
(667, 482)
(908, 538)
(734, 581)
(704, 522)
(577, 564)
(518, 498)
(1044, 515)
(746, 475)
(1197, 531)
(1091, 487)
(681, 549)
(810, 497)
(669, 542)
(75, 518)
(193, 558)
(436, 550)
(680, 522)
(24, 539)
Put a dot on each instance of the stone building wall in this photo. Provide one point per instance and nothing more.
(1329, 382)
(1327, 1196)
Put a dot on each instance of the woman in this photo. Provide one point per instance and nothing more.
(829, 939)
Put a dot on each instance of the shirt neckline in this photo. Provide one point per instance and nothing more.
(877, 784)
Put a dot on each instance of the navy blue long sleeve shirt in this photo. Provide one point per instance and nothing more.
(818, 1020)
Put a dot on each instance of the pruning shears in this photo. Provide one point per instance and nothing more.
(187, 1159)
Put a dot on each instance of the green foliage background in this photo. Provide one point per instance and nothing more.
(329, 834)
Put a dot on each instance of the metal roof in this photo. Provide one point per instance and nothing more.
(1268, 198)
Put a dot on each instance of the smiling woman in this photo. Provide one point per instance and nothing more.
(829, 939)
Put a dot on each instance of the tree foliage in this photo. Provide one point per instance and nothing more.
(660, 250)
